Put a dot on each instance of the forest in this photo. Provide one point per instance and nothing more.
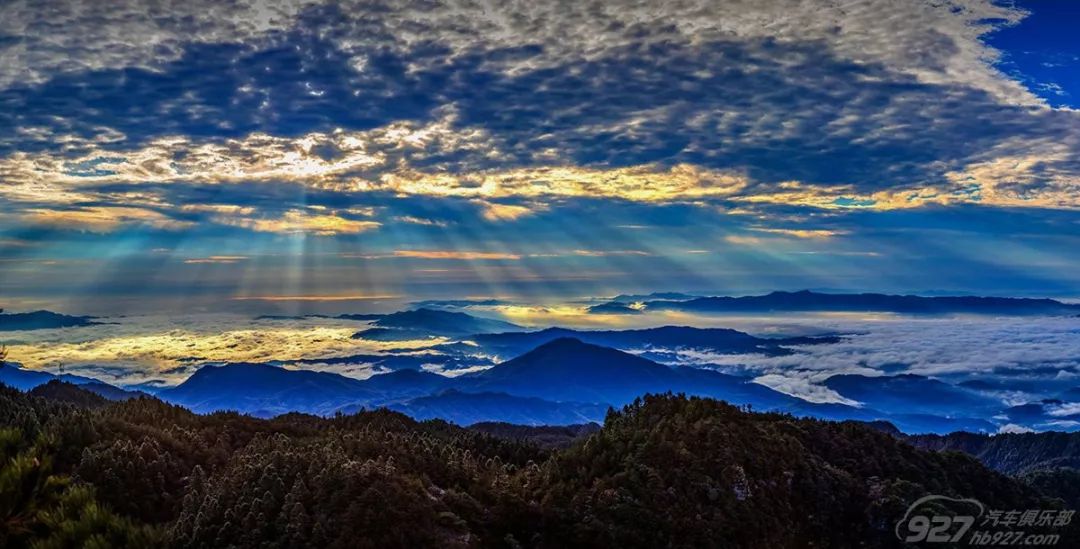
(667, 470)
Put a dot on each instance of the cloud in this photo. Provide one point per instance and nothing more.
(1033, 357)
(136, 349)
(803, 388)
(1063, 410)
(818, 234)
(934, 43)
(222, 259)
(740, 240)
(533, 130)
(875, 106)
(420, 221)
(609, 253)
(64, 37)
(1046, 174)
(100, 219)
(1012, 428)
(958, 349)
(219, 209)
(300, 221)
(347, 297)
(456, 255)
(493, 211)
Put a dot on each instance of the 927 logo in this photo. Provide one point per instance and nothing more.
(921, 522)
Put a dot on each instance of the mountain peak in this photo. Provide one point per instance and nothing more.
(424, 322)
(563, 344)
(586, 356)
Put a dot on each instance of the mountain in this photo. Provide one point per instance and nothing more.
(615, 308)
(718, 340)
(708, 456)
(110, 392)
(407, 383)
(563, 371)
(913, 394)
(265, 390)
(559, 382)
(426, 323)
(568, 369)
(666, 471)
(360, 316)
(932, 424)
(808, 301)
(41, 320)
(25, 380)
(70, 393)
(637, 298)
(469, 408)
(29, 380)
(1010, 453)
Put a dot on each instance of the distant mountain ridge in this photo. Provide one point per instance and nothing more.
(808, 301)
(719, 340)
(570, 369)
(559, 382)
(30, 380)
(563, 371)
(425, 323)
(1010, 453)
(41, 320)
(468, 408)
(25, 380)
(913, 394)
(265, 390)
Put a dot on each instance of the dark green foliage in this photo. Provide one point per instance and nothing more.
(1011, 453)
(67, 392)
(665, 471)
(690, 472)
(1063, 483)
(41, 509)
(552, 436)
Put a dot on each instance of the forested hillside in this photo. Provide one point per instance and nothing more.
(663, 471)
(1011, 453)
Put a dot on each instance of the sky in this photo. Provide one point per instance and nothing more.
(296, 156)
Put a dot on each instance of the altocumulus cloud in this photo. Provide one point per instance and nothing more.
(514, 109)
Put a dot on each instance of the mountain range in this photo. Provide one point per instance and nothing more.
(265, 390)
(425, 323)
(470, 408)
(41, 320)
(715, 340)
(559, 376)
(560, 382)
(556, 379)
(808, 301)
(1010, 453)
(25, 380)
(913, 393)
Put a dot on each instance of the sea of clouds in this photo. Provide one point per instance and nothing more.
(1019, 358)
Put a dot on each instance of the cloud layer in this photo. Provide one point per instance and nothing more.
(826, 139)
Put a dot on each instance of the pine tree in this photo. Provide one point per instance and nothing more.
(45, 510)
